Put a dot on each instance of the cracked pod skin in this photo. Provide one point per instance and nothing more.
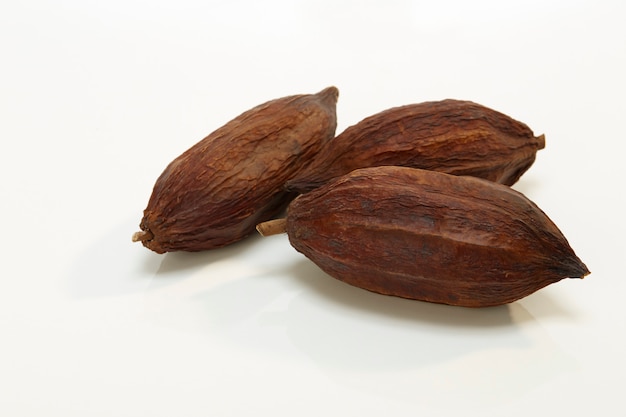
(218, 190)
(431, 236)
(451, 136)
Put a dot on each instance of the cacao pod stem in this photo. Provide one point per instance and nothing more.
(541, 141)
(272, 227)
(142, 236)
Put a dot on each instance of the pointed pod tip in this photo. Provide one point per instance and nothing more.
(329, 93)
(582, 272)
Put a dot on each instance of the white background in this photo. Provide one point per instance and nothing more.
(97, 97)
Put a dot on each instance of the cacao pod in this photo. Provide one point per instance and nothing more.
(429, 236)
(218, 190)
(451, 136)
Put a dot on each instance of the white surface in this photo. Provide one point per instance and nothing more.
(97, 97)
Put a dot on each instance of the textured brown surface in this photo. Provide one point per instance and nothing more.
(451, 136)
(431, 236)
(217, 191)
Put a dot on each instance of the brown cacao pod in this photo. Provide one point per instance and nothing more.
(430, 236)
(451, 136)
(218, 190)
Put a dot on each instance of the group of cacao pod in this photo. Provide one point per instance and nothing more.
(414, 201)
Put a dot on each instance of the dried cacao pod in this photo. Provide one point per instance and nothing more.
(429, 236)
(218, 190)
(451, 136)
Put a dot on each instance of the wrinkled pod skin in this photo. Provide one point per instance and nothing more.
(451, 136)
(430, 236)
(218, 190)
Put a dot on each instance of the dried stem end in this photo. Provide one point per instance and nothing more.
(541, 141)
(142, 236)
(272, 227)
